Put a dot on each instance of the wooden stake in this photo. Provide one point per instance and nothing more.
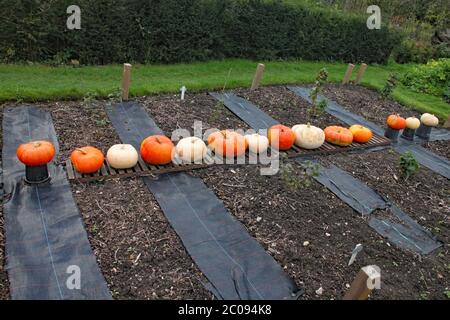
(363, 284)
(361, 72)
(258, 76)
(348, 74)
(447, 124)
(126, 79)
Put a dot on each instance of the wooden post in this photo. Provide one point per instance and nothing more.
(258, 76)
(348, 74)
(126, 79)
(363, 284)
(447, 124)
(361, 72)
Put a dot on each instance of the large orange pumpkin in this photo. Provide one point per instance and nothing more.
(282, 136)
(361, 134)
(396, 122)
(228, 143)
(157, 150)
(87, 160)
(35, 153)
(339, 136)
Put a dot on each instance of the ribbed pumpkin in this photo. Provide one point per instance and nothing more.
(35, 153)
(308, 137)
(396, 122)
(157, 150)
(339, 136)
(227, 143)
(281, 137)
(87, 160)
(361, 134)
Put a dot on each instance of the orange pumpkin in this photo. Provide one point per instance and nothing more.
(396, 122)
(228, 143)
(35, 153)
(282, 136)
(157, 150)
(339, 136)
(87, 160)
(361, 134)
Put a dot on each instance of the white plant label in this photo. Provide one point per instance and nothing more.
(74, 280)
(374, 21)
(74, 20)
(183, 92)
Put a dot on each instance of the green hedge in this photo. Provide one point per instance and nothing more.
(170, 31)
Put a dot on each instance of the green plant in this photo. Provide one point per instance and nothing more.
(432, 78)
(292, 179)
(220, 105)
(447, 294)
(389, 87)
(408, 165)
(318, 107)
(90, 106)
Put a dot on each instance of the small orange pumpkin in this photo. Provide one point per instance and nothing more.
(282, 136)
(228, 143)
(157, 150)
(36, 153)
(339, 136)
(396, 122)
(361, 134)
(87, 160)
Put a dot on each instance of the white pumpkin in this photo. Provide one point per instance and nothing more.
(429, 120)
(191, 150)
(413, 123)
(122, 156)
(257, 143)
(308, 137)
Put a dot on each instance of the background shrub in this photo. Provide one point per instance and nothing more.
(432, 78)
(170, 31)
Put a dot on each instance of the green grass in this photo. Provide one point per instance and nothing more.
(39, 82)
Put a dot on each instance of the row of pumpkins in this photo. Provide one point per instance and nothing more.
(159, 150)
(397, 122)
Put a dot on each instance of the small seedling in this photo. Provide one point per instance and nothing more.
(318, 107)
(408, 165)
(218, 107)
(389, 87)
(447, 294)
(293, 179)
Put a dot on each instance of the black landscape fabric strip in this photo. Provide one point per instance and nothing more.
(425, 157)
(350, 190)
(47, 249)
(246, 111)
(408, 235)
(236, 265)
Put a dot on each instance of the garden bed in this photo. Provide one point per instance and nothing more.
(367, 103)
(425, 197)
(286, 107)
(309, 231)
(138, 252)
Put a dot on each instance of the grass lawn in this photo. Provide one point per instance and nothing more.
(39, 82)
